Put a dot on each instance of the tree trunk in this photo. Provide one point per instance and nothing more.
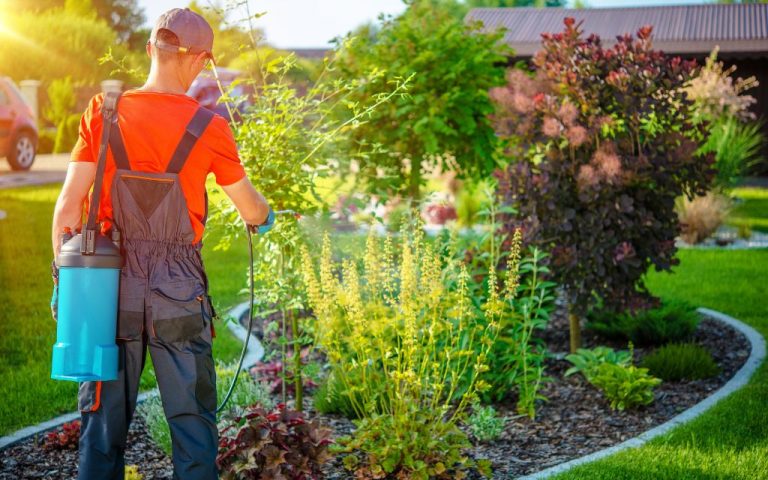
(575, 329)
(414, 180)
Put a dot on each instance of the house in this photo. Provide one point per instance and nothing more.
(689, 31)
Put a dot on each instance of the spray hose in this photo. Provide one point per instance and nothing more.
(252, 299)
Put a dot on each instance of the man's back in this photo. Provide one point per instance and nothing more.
(152, 124)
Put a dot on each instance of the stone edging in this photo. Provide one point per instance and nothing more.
(739, 379)
(254, 353)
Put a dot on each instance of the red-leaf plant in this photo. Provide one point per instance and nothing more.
(600, 142)
(67, 437)
(280, 444)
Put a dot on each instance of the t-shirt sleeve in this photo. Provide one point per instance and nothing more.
(225, 164)
(90, 129)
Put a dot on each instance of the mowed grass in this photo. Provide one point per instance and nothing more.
(27, 332)
(752, 211)
(731, 440)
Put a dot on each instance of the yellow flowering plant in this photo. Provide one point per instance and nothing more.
(406, 347)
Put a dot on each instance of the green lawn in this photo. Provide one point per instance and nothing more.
(27, 332)
(731, 440)
(753, 212)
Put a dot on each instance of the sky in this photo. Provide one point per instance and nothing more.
(313, 23)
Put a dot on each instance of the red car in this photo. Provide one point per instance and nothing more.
(18, 129)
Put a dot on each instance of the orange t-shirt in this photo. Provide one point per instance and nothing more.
(152, 124)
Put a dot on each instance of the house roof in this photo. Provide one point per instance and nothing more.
(684, 29)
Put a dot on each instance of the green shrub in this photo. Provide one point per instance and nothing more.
(485, 424)
(330, 398)
(586, 361)
(736, 146)
(625, 386)
(400, 334)
(674, 321)
(681, 361)
(151, 410)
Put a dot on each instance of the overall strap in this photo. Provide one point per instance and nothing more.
(194, 130)
(109, 114)
(118, 147)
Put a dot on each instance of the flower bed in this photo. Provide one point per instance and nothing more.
(576, 421)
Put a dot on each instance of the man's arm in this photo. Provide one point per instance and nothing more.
(69, 206)
(250, 204)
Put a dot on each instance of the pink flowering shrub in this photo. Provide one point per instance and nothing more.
(600, 142)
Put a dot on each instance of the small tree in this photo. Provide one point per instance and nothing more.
(445, 115)
(601, 143)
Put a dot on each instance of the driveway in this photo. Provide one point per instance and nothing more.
(46, 169)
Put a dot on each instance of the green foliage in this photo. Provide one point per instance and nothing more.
(485, 424)
(331, 398)
(471, 200)
(600, 142)
(673, 321)
(586, 361)
(625, 386)
(278, 444)
(736, 146)
(678, 361)
(443, 121)
(61, 103)
(55, 44)
(404, 341)
(151, 410)
(517, 355)
(381, 448)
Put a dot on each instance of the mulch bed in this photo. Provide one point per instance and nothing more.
(575, 421)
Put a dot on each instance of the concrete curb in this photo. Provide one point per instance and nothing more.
(254, 353)
(739, 379)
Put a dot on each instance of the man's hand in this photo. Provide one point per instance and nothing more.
(69, 206)
(264, 227)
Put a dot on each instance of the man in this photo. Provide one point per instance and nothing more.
(161, 148)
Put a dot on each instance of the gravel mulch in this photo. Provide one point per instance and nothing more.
(29, 459)
(575, 421)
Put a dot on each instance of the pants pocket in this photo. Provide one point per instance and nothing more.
(178, 311)
(89, 396)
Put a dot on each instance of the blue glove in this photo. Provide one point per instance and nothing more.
(266, 226)
(55, 295)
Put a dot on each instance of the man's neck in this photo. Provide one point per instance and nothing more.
(163, 83)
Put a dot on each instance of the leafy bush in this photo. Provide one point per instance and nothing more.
(672, 322)
(716, 94)
(66, 437)
(272, 375)
(276, 444)
(61, 103)
(586, 361)
(678, 361)
(471, 200)
(330, 398)
(485, 424)
(625, 386)
(736, 146)
(701, 216)
(399, 338)
(600, 142)
(151, 410)
(443, 121)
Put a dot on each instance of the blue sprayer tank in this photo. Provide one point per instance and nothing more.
(85, 348)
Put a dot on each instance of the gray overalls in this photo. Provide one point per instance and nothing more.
(164, 305)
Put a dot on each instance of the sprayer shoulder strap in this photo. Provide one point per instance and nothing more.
(192, 133)
(109, 116)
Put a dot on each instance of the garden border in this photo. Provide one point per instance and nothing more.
(253, 355)
(739, 379)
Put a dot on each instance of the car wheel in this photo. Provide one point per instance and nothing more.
(22, 154)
